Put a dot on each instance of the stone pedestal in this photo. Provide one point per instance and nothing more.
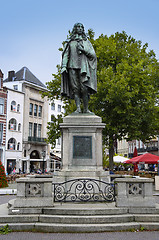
(82, 147)
(157, 183)
(134, 192)
(33, 193)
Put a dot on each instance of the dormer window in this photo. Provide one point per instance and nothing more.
(15, 87)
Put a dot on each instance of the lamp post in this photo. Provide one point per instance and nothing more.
(43, 154)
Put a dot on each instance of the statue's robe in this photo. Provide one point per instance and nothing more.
(86, 62)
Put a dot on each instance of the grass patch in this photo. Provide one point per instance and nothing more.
(5, 230)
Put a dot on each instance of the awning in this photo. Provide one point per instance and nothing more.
(34, 160)
(145, 158)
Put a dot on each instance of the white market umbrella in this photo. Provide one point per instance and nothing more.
(119, 159)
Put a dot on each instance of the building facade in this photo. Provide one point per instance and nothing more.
(151, 146)
(122, 147)
(33, 152)
(14, 129)
(55, 108)
(3, 116)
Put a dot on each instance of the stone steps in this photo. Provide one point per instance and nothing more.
(86, 219)
(80, 223)
(82, 228)
(84, 211)
(81, 218)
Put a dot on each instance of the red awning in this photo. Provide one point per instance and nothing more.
(145, 158)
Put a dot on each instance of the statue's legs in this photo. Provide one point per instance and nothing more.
(85, 97)
(77, 101)
(85, 103)
(79, 90)
(75, 85)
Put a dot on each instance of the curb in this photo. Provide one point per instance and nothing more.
(8, 191)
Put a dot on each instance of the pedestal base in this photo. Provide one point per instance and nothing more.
(64, 176)
(82, 142)
(82, 147)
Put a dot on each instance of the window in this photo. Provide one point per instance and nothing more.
(52, 106)
(11, 144)
(15, 87)
(31, 109)
(12, 124)
(59, 141)
(59, 108)
(1, 105)
(1, 132)
(35, 129)
(30, 129)
(39, 130)
(35, 110)
(40, 111)
(19, 127)
(18, 146)
(18, 107)
(13, 106)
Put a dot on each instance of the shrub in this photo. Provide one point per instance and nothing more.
(3, 179)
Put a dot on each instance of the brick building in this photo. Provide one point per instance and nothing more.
(3, 117)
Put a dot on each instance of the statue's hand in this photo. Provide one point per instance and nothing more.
(64, 69)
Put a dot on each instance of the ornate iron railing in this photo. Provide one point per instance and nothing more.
(84, 190)
(36, 139)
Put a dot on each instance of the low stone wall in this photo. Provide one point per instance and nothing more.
(134, 192)
(34, 192)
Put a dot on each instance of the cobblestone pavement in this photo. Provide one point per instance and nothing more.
(82, 236)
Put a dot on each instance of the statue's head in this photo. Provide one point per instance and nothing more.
(78, 28)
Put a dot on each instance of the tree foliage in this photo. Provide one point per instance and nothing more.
(53, 128)
(127, 88)
(128, 80)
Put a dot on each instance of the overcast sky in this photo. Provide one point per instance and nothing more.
(31, 31)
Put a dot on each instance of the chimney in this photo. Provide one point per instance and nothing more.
(1, 79)
(1, 74)
(11, 76)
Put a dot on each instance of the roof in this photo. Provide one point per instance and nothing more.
(24, 74)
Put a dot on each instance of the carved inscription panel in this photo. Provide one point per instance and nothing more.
(82, 147)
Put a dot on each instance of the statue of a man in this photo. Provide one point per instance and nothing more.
(79, 64)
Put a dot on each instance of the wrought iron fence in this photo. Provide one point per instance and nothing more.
(84, 190)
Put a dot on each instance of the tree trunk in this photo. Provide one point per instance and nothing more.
(111, 153)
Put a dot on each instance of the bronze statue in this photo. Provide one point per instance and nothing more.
(78, 69)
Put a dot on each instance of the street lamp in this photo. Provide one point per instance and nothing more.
(43, 154)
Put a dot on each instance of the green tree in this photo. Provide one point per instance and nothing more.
(127, 89)
(127, 94)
